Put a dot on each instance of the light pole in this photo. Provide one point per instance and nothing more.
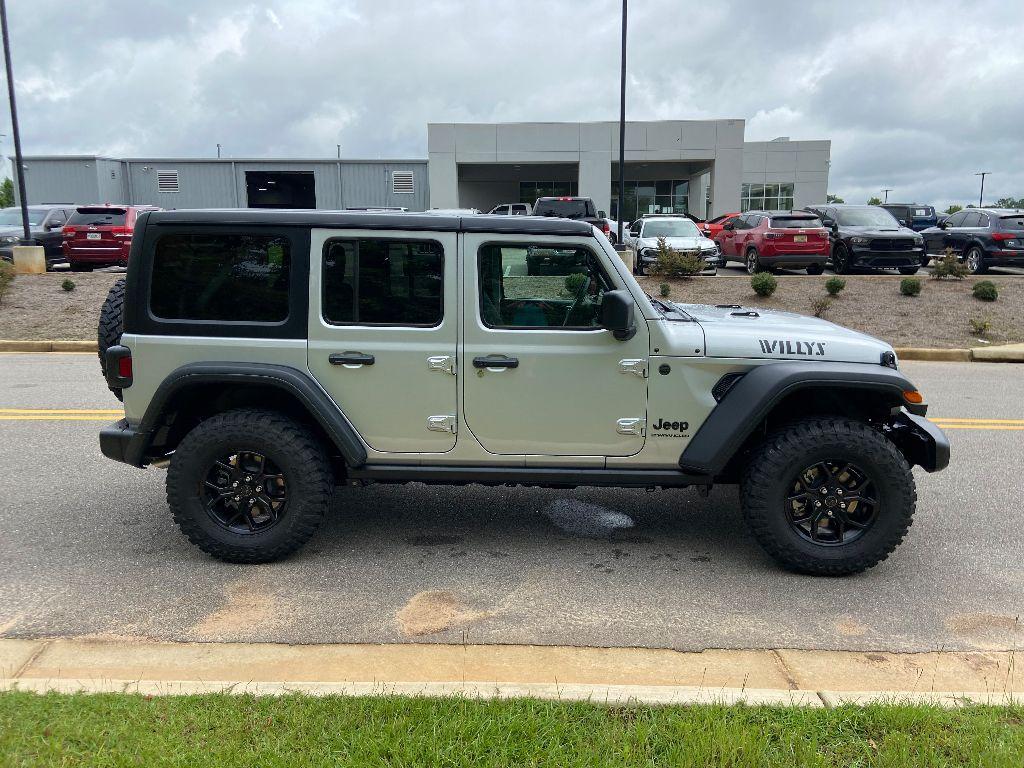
(339, 151)
(981, 195)
(218, 151)
(622, 129)
(14, 126)
(886, 193)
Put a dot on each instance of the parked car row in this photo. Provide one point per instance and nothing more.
(83, 236)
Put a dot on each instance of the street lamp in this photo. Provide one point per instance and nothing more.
(14, 126)
(218, 151)
(981, 196)
(886, 192)
(622, 128)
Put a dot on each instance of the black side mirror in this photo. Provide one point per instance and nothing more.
(941, 225)
(617, 314)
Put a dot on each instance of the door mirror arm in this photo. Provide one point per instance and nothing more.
(617, 314)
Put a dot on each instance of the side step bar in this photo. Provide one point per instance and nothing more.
(546, 477)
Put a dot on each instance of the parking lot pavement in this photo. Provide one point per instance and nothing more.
(88, 549)
(735, 269)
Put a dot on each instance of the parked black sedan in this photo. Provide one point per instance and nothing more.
(868, 236)
(982, 238)
(45, 225)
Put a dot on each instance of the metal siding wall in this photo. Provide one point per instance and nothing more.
(201, 185)
(111, 187)
(60, 181)
(366, 184)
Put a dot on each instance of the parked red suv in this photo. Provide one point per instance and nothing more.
(764, 240)
(100, 235)
(713, 227)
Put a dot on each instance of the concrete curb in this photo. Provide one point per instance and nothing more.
(603, 675)
(14, 345)
(935, 355)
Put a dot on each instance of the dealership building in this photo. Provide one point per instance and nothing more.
(701, 167)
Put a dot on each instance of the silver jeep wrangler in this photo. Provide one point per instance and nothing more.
(266, 356)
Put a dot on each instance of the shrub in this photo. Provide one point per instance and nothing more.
(980, 325)
(985, 291)
(664, 289)
(673, 263)
(6, 277)
(834, 285)
(574, 283)
(910, 286)
(949, 267)
(821, 306)
(68, 285)
(764, 284)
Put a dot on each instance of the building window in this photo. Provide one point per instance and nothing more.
(402, 183)
(665, 196)
(221, 278)
(529, 191)
(383, 282)
(766, 197)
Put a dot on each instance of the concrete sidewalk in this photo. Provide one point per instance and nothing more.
(615, 675)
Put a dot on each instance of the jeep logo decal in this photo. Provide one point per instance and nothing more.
(678, 426)
(790, 347)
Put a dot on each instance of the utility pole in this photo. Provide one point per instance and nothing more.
(18, 164)
(622, 129)
(981, 196)
(886, 193)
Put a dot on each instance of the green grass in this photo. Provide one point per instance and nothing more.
(224, 730)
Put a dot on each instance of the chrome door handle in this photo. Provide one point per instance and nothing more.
(351, 359)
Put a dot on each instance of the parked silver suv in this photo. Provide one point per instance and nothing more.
(266, 356)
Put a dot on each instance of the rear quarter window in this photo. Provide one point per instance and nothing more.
(219, 277)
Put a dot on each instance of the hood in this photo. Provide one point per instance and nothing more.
(882, 231)
(679, 243)
(773, 335)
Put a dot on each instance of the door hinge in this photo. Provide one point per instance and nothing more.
(444, 363)
(631, 427)
(445, 423)
(636, 367)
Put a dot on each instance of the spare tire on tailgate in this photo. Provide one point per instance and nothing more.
(111, 326)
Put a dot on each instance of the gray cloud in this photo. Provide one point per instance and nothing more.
(916, 96)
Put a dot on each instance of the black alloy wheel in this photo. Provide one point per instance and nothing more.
(245, 492)
(832, 503)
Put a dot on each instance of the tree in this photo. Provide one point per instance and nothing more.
(874, 201)
(1010, 202)
(6, 194)
(954, 208)
(834, 199)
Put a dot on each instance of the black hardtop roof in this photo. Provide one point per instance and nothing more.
(413, 222)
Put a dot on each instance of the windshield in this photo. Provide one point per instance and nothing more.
(923, 213)
(98, 217)
(566, 209)
(866, 217)
(794, 222)
(674, 228)
(11, 217)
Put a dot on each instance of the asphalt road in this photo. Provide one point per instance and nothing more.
(88, 548)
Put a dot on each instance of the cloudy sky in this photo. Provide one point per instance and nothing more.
(916, 96)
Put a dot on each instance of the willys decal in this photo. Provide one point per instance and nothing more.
(792, 347)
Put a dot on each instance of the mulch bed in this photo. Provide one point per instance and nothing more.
(36, 307)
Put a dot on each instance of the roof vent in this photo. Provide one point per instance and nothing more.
(401, 183)
(167, 181)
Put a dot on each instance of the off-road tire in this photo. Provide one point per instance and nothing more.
(789, 449)
(111, 326)
(300, 457)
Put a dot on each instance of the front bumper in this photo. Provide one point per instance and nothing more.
(864, 256)
(920, 441)
(122, 442)
(713, 258)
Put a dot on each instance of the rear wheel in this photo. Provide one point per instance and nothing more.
(975, 260)
(828, 497)
(249, 486)
(111, 325)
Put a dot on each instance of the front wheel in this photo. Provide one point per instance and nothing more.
(828, 497)
(753, 262)
(249, 486)
(841, 260)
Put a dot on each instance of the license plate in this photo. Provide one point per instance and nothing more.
(799, 238)
(93, 235)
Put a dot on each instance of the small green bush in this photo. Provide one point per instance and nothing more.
(985, 291)
(68, 285)
(821, 306)
(980, 325)
(834, 285)
(664, 289)
(949, 267)
(910, 286)
(574, 283)
(6, 277)
(764, 284)
(673, 263)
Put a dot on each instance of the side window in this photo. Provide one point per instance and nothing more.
(540, 286)
(383, 282)
(501, 210)
(982, 220)
(634, 228)
(972, 219)
(57, 218)
(221, 277)
(518, 210)
(957, 219)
